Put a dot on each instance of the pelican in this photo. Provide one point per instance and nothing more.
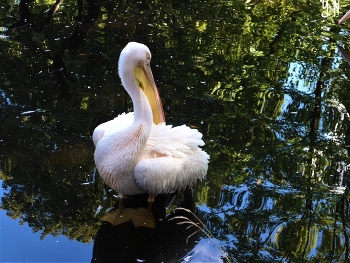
(137, 152)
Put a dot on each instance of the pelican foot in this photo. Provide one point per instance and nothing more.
(144, 217)
(140, 217)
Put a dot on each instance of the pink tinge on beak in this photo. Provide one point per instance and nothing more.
(344, 18)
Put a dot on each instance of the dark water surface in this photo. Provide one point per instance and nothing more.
(262, 80)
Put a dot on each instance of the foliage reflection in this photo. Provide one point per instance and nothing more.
(262, 80)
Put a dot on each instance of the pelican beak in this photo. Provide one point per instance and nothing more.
(146, 82)
(344, 18)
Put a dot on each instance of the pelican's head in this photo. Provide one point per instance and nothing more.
(134, 62)
(134, 55)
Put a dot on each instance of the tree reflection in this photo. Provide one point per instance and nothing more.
(264, 83)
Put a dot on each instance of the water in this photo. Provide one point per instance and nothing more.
(264, 82)
(20, 244)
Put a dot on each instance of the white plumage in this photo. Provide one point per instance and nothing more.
(137, 152)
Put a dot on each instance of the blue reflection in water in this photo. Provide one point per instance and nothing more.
(20, 244)
(23, 245)
(205, 251)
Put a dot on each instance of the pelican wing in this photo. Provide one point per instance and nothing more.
(165, 140)
(171, 159)
(120, 122)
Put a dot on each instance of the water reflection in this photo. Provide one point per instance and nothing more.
(174, 236)
(263, 81)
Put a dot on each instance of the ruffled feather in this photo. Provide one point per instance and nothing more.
(171, 160)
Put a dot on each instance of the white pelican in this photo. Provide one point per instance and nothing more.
(137, 152)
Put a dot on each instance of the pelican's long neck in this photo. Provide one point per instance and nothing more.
(142, 109)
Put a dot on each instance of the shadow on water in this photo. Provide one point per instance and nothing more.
(170, 241)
